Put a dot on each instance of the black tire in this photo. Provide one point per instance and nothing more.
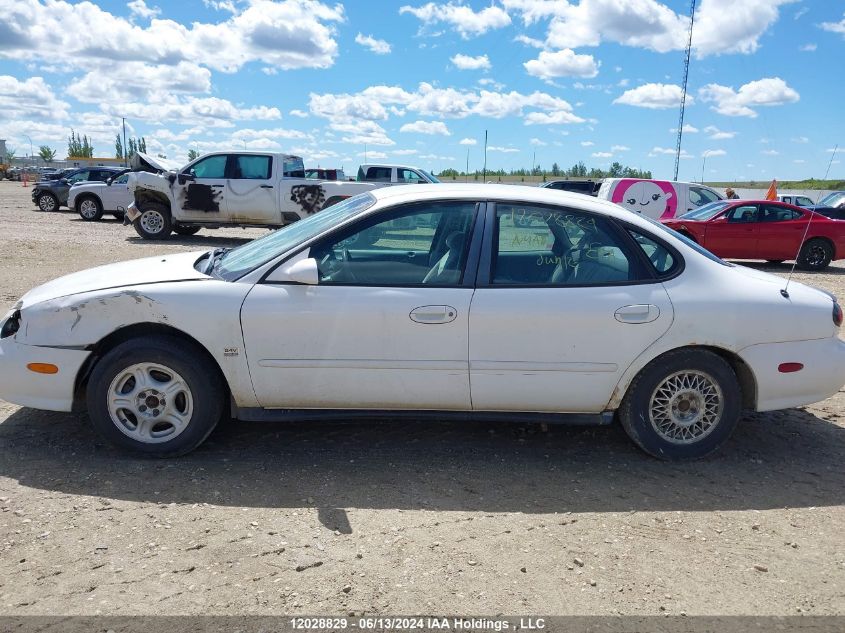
(154, 222)
(205, 401)
(89, 212)
(119, 215)
(815, 254)
(775, 261)
(641, 424)
(46, 201)
(179, 229)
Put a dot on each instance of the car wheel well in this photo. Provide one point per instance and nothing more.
(121, 335)
(86, 196)
(747, 381)
(145, 195)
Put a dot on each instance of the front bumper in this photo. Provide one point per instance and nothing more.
(19, 385)
(822, 376)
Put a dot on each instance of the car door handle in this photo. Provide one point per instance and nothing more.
(217, 185)
(433, 314)
(266, 186)
(638, 313)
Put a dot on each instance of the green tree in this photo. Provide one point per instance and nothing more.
(118, 147)
(616, 170)
(47, 155)
(79, 145)
(193, 154)
(555, 170)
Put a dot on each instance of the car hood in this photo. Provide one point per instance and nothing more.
(137, 272)
(145, 162)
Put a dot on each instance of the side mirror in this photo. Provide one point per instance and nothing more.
(303, 271)
(185, 177)
(63, 181)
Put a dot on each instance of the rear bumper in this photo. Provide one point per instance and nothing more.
(822, 376)
(21, 386)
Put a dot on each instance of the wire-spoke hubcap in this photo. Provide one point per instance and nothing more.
(152, 221)
(47, 203)
(686, 407)
(88, 208)
(150, 403)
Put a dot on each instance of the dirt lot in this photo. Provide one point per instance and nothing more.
(403, 517)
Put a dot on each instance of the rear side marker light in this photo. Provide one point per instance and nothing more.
(788, 368)
(837, 314)
(43, 368)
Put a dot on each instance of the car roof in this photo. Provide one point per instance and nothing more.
(504, 193)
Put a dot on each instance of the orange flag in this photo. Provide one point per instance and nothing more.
(772, 193)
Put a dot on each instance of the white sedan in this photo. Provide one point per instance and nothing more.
(466, 300)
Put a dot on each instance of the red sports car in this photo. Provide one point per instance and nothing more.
(764, 229)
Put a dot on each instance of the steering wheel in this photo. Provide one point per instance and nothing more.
(331, 265)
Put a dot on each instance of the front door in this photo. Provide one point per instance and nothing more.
(116, 196)
(781, 230)
(567, 305)
(385, 327)
(734, 234)
(200, 189)
(251, 195)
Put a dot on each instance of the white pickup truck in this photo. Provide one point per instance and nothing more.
(227, 189)
(395, 175)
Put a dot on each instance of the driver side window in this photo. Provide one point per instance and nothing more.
(211, 167)
(424, 244)
(79, 177)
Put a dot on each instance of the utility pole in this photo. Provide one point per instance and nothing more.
(484, 173)
(684, 90)
(365, 153)
(125, 163)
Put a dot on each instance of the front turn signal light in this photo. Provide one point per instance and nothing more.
(43, 368)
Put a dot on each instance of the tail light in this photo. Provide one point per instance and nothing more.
(837, 314)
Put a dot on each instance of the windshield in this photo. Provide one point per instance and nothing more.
(429, 176)
(241, 260)
(832, 199)
(706, 212)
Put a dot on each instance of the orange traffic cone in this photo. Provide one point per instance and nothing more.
(25, 183)
(772, 193)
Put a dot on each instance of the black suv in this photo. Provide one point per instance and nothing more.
(589, 187)
(49, 195)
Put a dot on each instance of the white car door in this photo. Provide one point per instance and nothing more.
(565, 302)
(116, 197)
(251, 191)
(200, 189)
(385, 328)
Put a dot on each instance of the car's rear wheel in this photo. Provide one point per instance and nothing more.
(156, 396)
(154, 222)
(180, 229)
(815, 254)
(48, 202)
(90, 209)
(683, 405)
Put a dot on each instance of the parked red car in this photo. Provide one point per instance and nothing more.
(763, 229)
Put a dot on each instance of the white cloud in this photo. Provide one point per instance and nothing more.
(800, 139)
(808, 48)
(834, 27)
(299, 113)
(31, 98)
(799, 161)
(552, 118)
(769, 91)
(601, 154)
(505, 150)
(537, 142)
(727, 26)
(129, 81)
(404, 152)
(209, 111)
(372, 155)
(620, 148)
(587, 143)
(460, 17)
(770, 152)
(713, 152)
(662, 150)
(379, 47)
(688, 129)
(285, 34)
(468, 141)
(562, 63)
(465, 62)
(716, 134)
(139, 8)
(426, 127)
(360, 132)
(252, 134)
(529, 41)
(654, 96)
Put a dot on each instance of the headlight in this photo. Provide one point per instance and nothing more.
(11, 325)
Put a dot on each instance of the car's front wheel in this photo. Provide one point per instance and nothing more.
(683, 405)
(154, 222)
(156, 396)
(181, 229)
(48, 202)
(815, 254)
(90, 209)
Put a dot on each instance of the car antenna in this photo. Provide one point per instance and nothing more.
(785, 290)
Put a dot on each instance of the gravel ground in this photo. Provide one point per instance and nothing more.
(330, 517)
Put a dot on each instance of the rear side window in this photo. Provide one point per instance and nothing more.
(252, 167)
(659, 256)
(378, 174)
(699, 196)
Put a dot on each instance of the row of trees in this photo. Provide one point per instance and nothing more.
(133, 146)
(78, 145)
(578, 170)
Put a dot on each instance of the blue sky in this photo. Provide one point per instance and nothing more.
(420, 82)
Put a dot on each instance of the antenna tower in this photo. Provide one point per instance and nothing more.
(684, 93)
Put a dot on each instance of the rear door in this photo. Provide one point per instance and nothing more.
(251, 194)
(734, 233)
(564, 304)
(780, 232)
